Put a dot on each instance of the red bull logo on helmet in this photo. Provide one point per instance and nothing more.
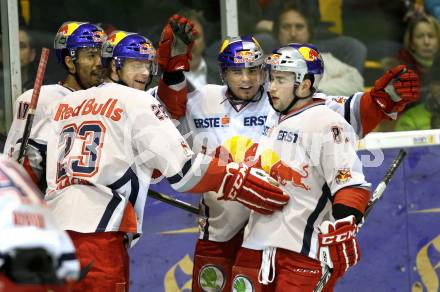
(98, 36)
(309, 54)
(147, 49)
(116, 37)
(68, 28)
(273, 59)
(244, 57)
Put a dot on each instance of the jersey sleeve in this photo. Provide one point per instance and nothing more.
(159, 145)
(360, 111)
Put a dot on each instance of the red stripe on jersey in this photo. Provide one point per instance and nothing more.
(371, 113)
(128, 221)
(212, 178)
(353, 197)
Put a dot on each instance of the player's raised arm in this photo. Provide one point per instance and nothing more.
(174, 55)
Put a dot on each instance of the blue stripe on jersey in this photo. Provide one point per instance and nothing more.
(176, 178)
(114, 202)
(206, 215)
(308, 231)
(347, 111)
(128, 176)
(66, 257)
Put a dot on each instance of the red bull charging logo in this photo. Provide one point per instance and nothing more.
(309, 54)
(282, 172)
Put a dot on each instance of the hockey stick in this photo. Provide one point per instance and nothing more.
(34, 101)
(173, 202)
(377, 195)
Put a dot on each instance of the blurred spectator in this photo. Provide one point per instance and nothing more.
(339, 78)
(202, 71)
(420, 47)
(27, 58)
(426, 115)
(347, 49)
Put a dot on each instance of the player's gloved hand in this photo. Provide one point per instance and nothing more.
(253, 188)
(396, 88)
(338, 247)
(175, 45)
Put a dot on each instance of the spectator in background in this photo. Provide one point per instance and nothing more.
(27, 58)
(426, 115)
(292, 26)
(433, 7)
(420, 47)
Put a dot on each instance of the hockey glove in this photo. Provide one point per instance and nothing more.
(253, 188)
(175, 45)
(395, 89)
(338, 247)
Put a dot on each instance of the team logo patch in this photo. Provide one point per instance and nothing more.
(98, 36)
(343, 176)
(224, 121)
(242, 284)
(339, 99)
(211, 278)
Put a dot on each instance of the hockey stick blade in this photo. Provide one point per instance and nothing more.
(174, 202)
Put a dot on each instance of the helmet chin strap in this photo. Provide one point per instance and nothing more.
(76, 76)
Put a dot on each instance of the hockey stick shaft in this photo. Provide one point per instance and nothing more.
(377, 195)
(173, 202)
(33, 104)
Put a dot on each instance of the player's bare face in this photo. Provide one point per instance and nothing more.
(281, 88)
(89, 67)
(136, 73)
(244, 82)
(425, 43)
(293, 28)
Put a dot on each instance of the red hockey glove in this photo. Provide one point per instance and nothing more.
(253, 188)
(396, 88)
(175, 45)
(338, 247)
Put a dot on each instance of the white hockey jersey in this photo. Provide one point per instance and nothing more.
(311, 152)
(26, 221)
(212, 120)
(103, 145)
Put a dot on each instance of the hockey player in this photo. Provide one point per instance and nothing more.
(311, 151)
(35, 256)
(217, 115)
(106, 141)
(78, 49)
